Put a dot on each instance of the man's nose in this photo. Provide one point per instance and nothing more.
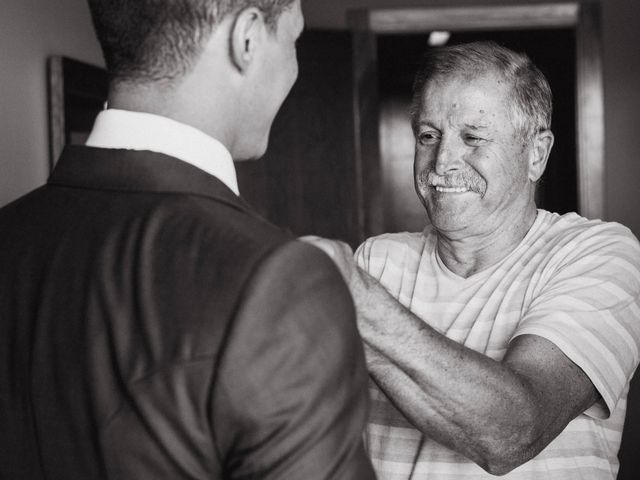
(448, 157)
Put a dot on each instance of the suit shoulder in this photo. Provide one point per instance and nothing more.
(192, 222)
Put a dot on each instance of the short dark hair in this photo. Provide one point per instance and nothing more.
(159, 40)
(532, 98)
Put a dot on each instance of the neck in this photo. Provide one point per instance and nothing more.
(466, 254)
(211, 114)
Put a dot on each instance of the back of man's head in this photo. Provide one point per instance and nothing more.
(531, 93)
(160, 40)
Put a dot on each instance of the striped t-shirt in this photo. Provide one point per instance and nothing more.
(572, 281)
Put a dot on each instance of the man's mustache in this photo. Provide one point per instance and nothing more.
(469, 180)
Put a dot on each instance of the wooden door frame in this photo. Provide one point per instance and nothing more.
(583, 16)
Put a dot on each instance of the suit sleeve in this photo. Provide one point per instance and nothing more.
(290, 399)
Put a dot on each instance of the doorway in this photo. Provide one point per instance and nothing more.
(574, 71)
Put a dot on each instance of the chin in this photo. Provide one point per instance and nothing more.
(448, 220)
(448, 227)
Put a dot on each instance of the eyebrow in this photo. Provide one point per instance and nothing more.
(425, 123)
(476, 127)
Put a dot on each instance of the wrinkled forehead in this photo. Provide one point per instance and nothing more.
(479, 79)
(484, 96)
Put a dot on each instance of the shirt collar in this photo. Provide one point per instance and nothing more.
(124, 129)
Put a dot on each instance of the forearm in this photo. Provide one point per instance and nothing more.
(464, 400)
(467, 424)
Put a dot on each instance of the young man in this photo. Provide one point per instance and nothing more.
(151, 324)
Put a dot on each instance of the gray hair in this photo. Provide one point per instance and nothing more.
(531, 94)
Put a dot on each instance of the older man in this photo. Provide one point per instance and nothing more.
(503, 337)
(152, 325)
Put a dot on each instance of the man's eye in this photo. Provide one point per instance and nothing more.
(428, 138)
(473, 140)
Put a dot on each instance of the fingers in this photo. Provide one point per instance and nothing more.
(333, 248)
(323, 244)
(340, 252)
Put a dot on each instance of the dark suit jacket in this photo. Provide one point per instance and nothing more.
(153, 327)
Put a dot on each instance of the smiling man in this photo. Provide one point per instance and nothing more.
(501, 339)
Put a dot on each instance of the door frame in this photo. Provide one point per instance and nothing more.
(583, 16)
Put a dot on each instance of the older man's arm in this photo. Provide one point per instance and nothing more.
(498, 414)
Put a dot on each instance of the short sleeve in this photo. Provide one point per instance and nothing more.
(589, 307)
(291, 394)
(391, 252)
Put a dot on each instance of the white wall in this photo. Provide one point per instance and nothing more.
(620, 20)
(31, 30)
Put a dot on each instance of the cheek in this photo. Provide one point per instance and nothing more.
(422, 165)
(295, 69)
(517, 169)
(511, 173)
(423, 158)
(288, 70)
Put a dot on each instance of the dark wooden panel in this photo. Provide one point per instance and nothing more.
(366, 115)
(307, 181)
(77, 92)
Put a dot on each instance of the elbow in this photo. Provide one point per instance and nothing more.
(504, 453)
(501, 462)
(515, 440)
(499, 467)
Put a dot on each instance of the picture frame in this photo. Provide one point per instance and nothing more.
(77, 92)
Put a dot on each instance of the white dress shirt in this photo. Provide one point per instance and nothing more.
(128, 130)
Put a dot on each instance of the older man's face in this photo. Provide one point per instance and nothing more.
(471, 164)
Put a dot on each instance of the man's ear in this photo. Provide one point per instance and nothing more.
(542, 144)
(246, 35)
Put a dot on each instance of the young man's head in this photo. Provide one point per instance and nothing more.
(222, 66)
(159, 40)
